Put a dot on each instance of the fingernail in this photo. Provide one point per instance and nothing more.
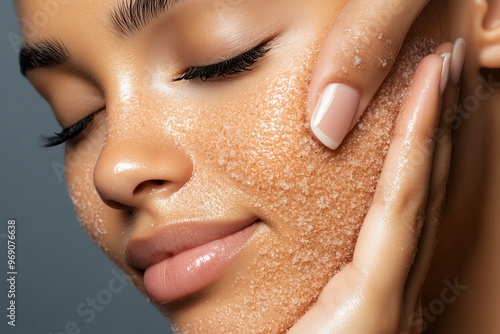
(334, 113)
(457, 61)
(445, 72)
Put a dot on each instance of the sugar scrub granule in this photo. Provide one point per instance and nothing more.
(357, 61)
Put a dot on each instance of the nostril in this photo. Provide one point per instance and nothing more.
(117, 205)
(150, 185)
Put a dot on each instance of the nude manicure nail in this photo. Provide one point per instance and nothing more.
(334, 113)
(445, 72)
(457, 61)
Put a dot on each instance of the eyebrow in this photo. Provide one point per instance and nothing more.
(131, 16)
(43, 54)
(127, 18)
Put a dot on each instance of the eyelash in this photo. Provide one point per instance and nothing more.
(67, 134)
(231, 66)
(228, 67)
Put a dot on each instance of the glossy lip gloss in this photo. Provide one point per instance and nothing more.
(172, 275)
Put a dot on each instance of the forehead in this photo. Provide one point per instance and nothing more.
(42, 19)
(72, 20)
(39, 17)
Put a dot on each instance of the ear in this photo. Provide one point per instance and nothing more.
(488, 26)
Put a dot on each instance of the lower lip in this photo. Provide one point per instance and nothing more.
(194, 269)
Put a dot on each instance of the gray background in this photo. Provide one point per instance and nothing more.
(58, 265)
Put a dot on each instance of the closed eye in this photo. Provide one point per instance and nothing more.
(67, 134)
(232, 66)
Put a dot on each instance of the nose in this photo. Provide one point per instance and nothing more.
(138, 165)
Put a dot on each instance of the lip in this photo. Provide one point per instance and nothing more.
(183, 258)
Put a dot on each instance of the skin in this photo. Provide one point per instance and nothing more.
(112, 73)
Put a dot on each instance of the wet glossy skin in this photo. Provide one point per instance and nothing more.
(213, 168)
(225, 149)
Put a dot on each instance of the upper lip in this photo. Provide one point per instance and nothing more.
(172, 239)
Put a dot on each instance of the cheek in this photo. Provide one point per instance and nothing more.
(314, 200)
(101, 223)
(261, 142)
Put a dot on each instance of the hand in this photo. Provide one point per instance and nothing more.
(355, 58)
(379, 291)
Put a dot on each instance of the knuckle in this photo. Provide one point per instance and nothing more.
(370, 45)
(405, 208)
(360, 53)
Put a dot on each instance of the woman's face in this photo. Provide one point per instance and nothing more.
(209, 190)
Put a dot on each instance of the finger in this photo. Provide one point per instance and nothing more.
(355, 58)
(440, 169)
(388, 240)
(412, 322)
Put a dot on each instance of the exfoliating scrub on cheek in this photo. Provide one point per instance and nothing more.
(257, 144)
